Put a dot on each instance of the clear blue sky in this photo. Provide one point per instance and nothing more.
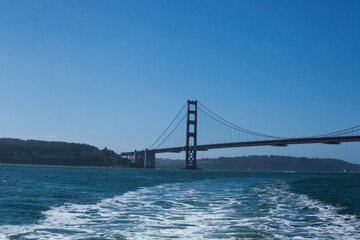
(114, 73)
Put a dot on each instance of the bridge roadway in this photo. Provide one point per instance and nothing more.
(279, 142)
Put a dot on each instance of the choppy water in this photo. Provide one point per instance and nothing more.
(99, 203)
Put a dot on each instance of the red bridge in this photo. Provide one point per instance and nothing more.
(196, 128)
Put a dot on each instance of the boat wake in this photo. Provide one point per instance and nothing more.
(210, 209)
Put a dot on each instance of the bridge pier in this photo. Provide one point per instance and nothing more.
(191, 135)
(190, 162)
(149, 159)
(144, 159)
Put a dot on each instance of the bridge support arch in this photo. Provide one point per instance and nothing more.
(191, 135)
(144, 159)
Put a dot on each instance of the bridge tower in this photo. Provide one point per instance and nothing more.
(191, 135)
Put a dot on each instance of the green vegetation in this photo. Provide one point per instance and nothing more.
(16, 151)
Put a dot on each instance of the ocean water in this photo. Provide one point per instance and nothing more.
(38, 202)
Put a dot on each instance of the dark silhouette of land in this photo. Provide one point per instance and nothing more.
(16, 151)
(266, 164)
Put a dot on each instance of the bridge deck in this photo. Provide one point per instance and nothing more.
(279, 142)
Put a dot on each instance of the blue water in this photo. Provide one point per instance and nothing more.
(39, 202)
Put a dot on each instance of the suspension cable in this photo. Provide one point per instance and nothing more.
(341, 132)
(172, 131)
(236, 127)
(168, 126)
(239, 131)
(229, 124)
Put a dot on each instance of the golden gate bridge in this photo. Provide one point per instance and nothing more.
(197, 128)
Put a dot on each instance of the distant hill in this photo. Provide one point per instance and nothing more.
(16, 151)
(266, 164)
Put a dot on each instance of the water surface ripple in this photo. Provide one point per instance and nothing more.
(90, 203)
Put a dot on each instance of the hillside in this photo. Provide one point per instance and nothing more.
(16, 151)
(266, 164)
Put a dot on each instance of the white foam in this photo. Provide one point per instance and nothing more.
(210, 209)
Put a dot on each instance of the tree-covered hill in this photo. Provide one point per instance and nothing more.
(16, 151)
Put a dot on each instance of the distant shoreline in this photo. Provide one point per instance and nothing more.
(169, 169)
(44, 153)
(267, 164)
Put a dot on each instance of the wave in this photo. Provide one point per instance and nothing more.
(210, 209)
